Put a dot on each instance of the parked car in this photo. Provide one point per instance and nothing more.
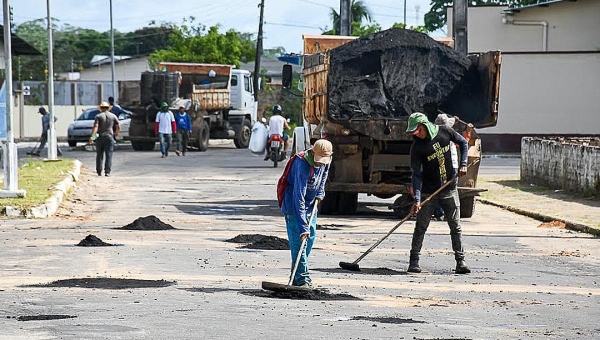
(81, 129)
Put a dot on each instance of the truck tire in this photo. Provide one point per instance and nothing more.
(347, 203)
(329, 204)
(203, 137)
(148, 146)
(136, 146)
(242, 139)
(467, 206)
(402, 205)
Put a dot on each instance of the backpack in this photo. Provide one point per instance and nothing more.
(282, 183)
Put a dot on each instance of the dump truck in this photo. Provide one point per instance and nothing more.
(218, 98)
(359, 92)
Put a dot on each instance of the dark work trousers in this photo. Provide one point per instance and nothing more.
(448, 200)
(105, 145)
(183, 136)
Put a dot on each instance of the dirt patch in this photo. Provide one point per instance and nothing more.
(43, 317)
(257, 241)
(107, 283)
(366, 271)
(147, 223)
(93, 241)
(553, 224)
(314, 294)
(386, 319)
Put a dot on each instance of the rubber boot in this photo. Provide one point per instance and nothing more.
(461, 267)
(413, 266)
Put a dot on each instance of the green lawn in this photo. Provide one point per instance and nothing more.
(38, 179)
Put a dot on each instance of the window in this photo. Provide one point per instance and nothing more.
(247, 84)
(234, 80)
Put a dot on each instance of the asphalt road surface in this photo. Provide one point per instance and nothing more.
(528, 282)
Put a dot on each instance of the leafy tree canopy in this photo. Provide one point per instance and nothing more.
(192, 42)
(436, 17)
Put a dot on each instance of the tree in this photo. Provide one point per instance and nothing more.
(194, 43)
(436, 17)
(358, 13)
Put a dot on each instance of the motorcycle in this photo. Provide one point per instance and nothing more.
(275, 149)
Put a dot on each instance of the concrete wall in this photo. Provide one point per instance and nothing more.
(572, 26)
(561, 165)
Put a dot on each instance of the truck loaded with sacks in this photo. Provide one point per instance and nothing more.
(218, 98)
(359, 92)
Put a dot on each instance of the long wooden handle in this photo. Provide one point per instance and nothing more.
(302, 245)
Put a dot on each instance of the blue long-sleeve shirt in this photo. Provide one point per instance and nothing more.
(183, 122)
(302, 190)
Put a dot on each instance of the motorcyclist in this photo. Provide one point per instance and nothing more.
(276, 125)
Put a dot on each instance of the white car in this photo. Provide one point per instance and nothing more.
(81, 129)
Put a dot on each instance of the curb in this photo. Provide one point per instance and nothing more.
(50, 206)
(544, 218)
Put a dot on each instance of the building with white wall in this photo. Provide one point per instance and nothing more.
(550, 74)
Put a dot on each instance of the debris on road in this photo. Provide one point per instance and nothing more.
(93, 241)
(147, 223)
(107, 283)
(553, 224)
(257, 241)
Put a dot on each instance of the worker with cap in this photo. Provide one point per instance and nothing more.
(431, 165)
(164, 128)
(106, 128)
(306, 187)
(44, 136)
(184, 129)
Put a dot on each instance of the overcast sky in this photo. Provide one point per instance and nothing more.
(285, 20)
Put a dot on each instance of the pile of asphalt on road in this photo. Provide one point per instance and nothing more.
(308, 294)
(93, 241)
(147, 223)
(264, 242)
(106, 283)
(395, 72)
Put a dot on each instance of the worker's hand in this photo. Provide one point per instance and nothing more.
(90, 141)
(319, 200)
(415, 208)
(462, 171)
(304, 237)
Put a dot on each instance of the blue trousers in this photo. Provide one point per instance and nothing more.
(165, 140)
(293, 230)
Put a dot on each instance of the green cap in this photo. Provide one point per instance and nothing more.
(419, 118)
(164, 104)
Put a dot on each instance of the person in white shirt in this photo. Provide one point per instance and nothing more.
(276, 124)
(164, 128)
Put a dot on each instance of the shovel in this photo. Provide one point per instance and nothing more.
(354, 265)
(277, 287)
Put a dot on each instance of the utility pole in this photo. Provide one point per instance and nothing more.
(404, 14)
(10, 148)
(459, 26)
(51, 132)
(112, 56)
(259, 47)
(345, 20)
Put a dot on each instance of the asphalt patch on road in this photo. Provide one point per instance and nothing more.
(328, 227)
(43, 317)
(393, 320)
(147, 223)
(264, 242)
(106, 283)
(93, 241)
(312, 294)
(365, 271)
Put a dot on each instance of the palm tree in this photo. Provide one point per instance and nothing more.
(358, 13)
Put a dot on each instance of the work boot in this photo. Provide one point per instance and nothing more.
(413, 266)
(461, 267)
(177, 153)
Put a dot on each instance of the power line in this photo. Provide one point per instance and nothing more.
(290, 25)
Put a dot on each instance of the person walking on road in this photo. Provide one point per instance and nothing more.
(106, 128)
(276, 125)
(184, 129)
(164, 127)
(306, 187)
(44, 136)
(431, 165)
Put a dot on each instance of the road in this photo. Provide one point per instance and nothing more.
(527, 282)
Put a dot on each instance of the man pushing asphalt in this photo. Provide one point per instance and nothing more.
(431, 165)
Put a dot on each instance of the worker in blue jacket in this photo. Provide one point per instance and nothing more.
(184, 129)
(306, 187)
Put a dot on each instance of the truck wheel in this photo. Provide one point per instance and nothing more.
(136, 146)
(402, 205)
(242, 140)
(203, 137)
(329, 204)
(148, 146)
(467, 206)
(347, 203)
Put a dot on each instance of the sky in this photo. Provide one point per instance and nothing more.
(284, 20)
